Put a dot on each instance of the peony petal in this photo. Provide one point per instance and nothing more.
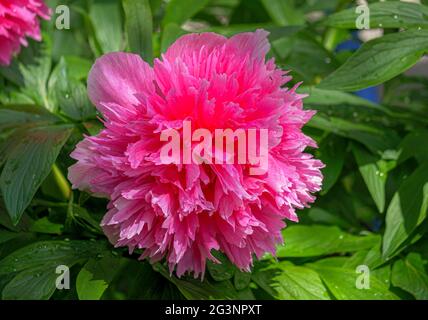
(115, 79)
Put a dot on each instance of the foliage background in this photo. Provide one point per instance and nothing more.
(373, 206)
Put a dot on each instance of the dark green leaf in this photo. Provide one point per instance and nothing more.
(28, 165)
(223, 270)
(408, 208)
(409, 274)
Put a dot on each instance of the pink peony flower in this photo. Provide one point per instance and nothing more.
(183, 212)
(18, 20)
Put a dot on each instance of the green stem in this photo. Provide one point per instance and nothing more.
(63, 185)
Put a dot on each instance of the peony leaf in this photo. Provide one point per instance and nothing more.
(29, 164)
(298, 283)
(107, 21)
(409, 274)
(178, 11)
(94, 278)
(407, 210)
(342, 282)
(391, 14)
(301, 242)
(139, 27)
(378, 61)
(373, 175)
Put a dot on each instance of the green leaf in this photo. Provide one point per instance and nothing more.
(43, 225)
(374, 177)
(332, 153)
(194, 289)
(171, 32)
(391, 14)
(139, 27)
(50, 254)
(107, 21)
(241, 280)
(301, 242)
(283, 12)
(35, 69)
(7, 235)
(178, 11)
(378, 61)
(342, 283)
(298, 283)
(69, 93)
(321, 216)
(374, 138)
(35, 266)
(223, 270)
(32, 284)
(12, 118)
(414, 145)
(409, 274)
(322, 97)
(407, 210)
(77, 67)
(28, 165)
(95, 277)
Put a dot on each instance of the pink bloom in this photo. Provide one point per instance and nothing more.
(183, 212)
(18, 20)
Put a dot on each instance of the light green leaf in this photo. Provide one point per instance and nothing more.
(378, 61)
(409, 274)
(171, 32)
(301, 242)
(69, 93)
(407, 210)
(43, 225)
(283, 12)
(342, 283)
(28, 165)
(139, 27)
(107, 21)
(178, 11)
(35, 69)
(77, 67)
(94, 278)
(298, 283)
(373, 176)
(390, 14)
